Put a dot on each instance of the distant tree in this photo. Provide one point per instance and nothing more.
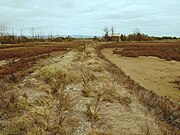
(123, 37)
(69, 38)
(136, 31)
(106, 30)
(106, 35)
(95, 38)
(138, 37)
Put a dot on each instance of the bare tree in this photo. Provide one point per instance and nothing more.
(136, 31)
(106, 30)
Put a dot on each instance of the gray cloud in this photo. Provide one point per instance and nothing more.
(157, 17)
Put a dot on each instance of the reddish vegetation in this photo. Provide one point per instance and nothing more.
(13, 46)
(30, 51)
(27, 55)
(26, 52)
(168, 51)
(17, 66)
(165, 52)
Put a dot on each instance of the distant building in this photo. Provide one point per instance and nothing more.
(116, 37)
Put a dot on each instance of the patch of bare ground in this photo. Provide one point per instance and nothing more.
(151, 72)
(74, 94)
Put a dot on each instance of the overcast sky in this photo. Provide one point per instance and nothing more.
(88, 17)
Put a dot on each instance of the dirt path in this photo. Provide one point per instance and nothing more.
(152, 73)
(74, 94)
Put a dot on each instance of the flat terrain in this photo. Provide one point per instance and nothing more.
(167, 51)
(69, 89)
(151, 72)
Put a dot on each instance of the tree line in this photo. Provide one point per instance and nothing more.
(109, 35)
(9, 36)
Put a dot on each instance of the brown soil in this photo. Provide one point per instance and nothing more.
(151, 72)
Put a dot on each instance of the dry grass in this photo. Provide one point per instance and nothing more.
(94, 131)
(35, 117)
(11, 105)
(58, 75)
(109, 94)
(45, 115)
(92, 113)
(63, 106)
(87, 82)
(3, 85)
(86, 92)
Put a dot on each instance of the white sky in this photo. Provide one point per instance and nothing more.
(88, 17)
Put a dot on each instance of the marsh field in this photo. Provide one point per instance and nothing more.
(90, 88)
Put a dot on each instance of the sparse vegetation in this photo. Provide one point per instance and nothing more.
(94, 131)
(109, 94)
(86, 92)
(124, 100)
(92, 114)
(78, 93)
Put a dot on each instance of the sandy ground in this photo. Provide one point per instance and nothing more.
(151, 72)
